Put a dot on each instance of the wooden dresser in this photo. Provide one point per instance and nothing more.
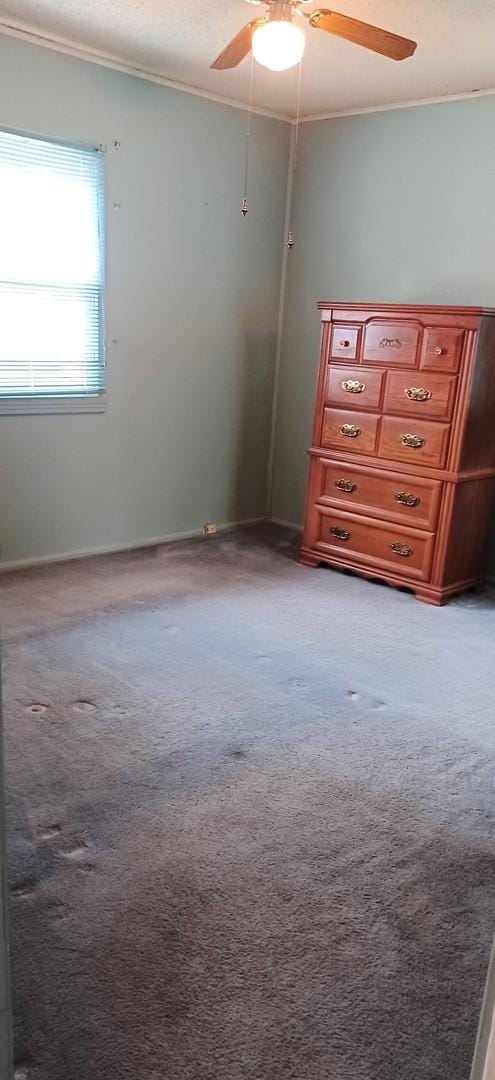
(402, 466)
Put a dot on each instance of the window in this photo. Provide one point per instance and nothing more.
(51, 277)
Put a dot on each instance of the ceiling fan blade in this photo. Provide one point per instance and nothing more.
(238, 48)
(361, 33)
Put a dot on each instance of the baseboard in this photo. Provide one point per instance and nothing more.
(285, 524)
(115, 549)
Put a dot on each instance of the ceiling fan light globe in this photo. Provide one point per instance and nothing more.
(278, 44)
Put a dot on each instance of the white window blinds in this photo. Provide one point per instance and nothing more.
(51, 260)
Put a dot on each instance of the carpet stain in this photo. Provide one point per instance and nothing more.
(21, 889)
(237, 753)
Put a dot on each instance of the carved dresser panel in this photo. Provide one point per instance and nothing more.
(402, 463)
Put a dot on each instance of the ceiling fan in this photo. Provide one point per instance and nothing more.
(278, 43)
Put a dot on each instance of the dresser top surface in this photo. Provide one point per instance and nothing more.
(409, 309)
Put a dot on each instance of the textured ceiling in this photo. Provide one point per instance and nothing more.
(178, 39)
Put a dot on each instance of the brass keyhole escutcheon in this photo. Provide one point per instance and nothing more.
(349, 430)
(353, 386)
(341, 534)
(417, 393)
(402, 549)
(414, 441)
(345, 485)
(406, 499)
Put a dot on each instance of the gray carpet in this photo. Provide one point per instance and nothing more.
(251, 819)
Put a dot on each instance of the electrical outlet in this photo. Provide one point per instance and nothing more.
(209, 528)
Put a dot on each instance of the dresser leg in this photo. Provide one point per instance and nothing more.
(308, 560)
(428, 598)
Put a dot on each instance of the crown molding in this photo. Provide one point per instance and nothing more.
(93, 56)
(415, 103)
(108, 60)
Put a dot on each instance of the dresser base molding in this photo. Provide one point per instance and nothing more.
(428, 594)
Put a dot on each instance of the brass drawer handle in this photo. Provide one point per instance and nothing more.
(344, 344)
(345, 485)
(341, 534)
(412, 440)
(407, 500)
(402, 549)
(350, 430)
(417, 393)
(439, 351)
(353, 386)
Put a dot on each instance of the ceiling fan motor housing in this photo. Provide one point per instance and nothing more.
(280, 10)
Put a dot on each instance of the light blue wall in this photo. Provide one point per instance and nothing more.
(192, 298)
(390, 206)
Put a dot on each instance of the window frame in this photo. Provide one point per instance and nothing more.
(70, 403)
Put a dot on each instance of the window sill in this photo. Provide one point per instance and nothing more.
(40, 405)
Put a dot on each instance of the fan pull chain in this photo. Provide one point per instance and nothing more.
(244, 204)
(290, 239)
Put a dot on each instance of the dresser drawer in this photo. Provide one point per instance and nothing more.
(344, 341)
(391, 343)
(419, 442)
(351, 431)
(395, 496)
(442, 349)
(373, 543)
(429, 396)
(357, 386)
